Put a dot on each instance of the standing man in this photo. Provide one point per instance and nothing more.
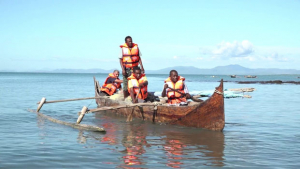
(175, 89)
(130, 58)
(111, 83)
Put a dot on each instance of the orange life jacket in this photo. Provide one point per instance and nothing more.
(144, 91)
(110, 88)
(173, 96)
(130, 57)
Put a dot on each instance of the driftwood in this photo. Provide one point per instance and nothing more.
(74, 125)
(55, 101)
(243, 89)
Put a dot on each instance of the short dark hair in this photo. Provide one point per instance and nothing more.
(136, 68)
(173, 71)
(127, 38)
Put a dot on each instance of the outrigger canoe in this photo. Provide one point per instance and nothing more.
(208, 114)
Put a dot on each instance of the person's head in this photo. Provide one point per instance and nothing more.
(137, 72)
(174, 76)
(116, 73)
(128, 41)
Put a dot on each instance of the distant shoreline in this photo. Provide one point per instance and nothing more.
(266, 82)
(215, 75)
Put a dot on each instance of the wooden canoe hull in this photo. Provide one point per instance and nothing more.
(208, 114)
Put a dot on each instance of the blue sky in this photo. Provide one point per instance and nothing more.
(70, 34)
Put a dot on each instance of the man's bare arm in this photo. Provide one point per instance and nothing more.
(163, 93)
(119, 81)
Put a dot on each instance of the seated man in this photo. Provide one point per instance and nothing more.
(111, 84)
(175, 89)
(137, 85)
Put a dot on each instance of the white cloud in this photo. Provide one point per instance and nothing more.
(275, 57)
(199, 58)
(249, 58)
(235, 49)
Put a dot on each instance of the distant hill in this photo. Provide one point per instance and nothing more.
(81, 71)
(219, 70)
(224, 70)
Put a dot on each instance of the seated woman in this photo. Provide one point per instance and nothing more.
(111, 84)
(175, 89)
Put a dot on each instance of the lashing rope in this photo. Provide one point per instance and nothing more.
(217, 91)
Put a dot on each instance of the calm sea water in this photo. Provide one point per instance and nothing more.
(260, 132)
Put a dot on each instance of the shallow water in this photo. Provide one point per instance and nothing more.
(259, 132)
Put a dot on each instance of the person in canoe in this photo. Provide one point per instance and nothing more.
(137, 86)
(175, 89)
(111, 84)
(130, 58)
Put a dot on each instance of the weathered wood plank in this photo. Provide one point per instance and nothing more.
(122, 106)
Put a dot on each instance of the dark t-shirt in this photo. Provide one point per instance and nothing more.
(110, 80)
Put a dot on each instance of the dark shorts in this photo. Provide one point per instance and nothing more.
(102, 93)
(125, 83)
(125, 80)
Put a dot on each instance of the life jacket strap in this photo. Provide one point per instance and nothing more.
(173, 98)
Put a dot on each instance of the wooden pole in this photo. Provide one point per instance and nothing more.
(137, 96)
(55, 101)
(122, 106)
(41, 103)
(195, 99)
(83, 111)
(154, 114)
(129, 118)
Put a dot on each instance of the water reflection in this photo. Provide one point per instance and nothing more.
(81, 137)
(41, 125)
(186, 144)
(174, 152)
(174, 146)
(111, 133)
(134, 142)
